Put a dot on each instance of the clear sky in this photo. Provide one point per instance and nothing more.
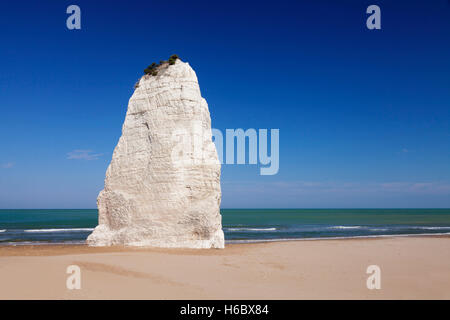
(364, 115)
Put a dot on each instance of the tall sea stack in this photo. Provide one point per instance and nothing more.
(162, 187)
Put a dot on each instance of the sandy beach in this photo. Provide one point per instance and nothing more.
(411, 268)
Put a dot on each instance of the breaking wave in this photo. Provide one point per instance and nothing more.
(251, 229)
(346, 227)
(59, 230)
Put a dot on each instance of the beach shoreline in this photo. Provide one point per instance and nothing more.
(414, 267)
(30, 244)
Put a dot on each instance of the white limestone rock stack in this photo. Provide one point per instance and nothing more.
(162, 187)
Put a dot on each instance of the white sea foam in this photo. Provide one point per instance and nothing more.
(345, 227)
(338, 238)
(251, 229)
(40, 243)
(59, 230)
(2, 230)
(430, 228)
(390, 228)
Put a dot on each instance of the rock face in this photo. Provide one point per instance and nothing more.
(162, 187)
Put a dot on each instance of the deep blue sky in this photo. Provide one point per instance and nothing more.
(363, 115)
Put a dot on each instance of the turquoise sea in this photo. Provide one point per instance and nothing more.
(240, 225)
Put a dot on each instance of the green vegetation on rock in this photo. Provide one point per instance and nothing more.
(153, 68)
